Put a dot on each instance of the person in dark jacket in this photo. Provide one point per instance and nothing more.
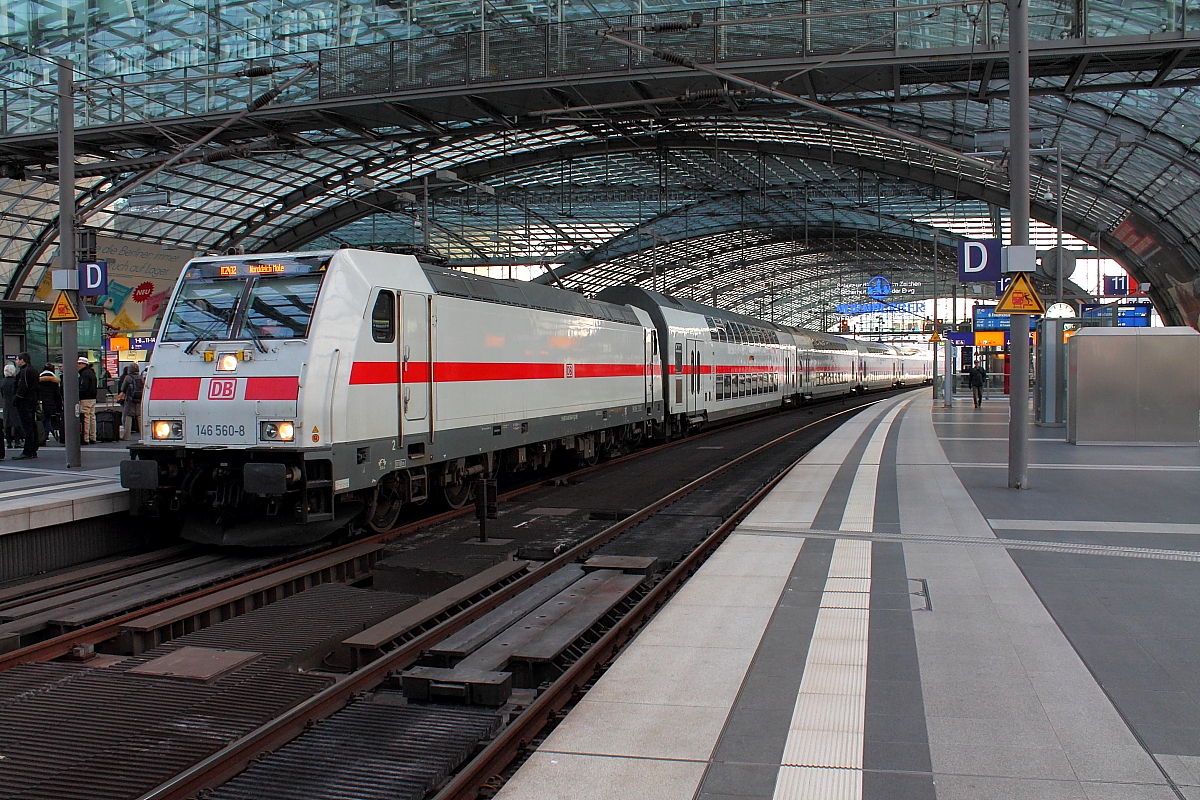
(977, 378)
(8, 387)
(129, 392)
(25, 398)
(51, 396)
(87, 400)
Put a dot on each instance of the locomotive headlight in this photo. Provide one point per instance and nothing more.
(166, 429)
(276, 431)
(227, 362)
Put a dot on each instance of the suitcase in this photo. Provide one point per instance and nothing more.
(108, 425)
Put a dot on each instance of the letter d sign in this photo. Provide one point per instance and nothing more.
(979, 261)
(93, 278)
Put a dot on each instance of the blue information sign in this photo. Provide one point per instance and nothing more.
(985, 319)
(1129, 315)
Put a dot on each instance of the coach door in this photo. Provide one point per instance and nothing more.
(648, 356)
(416, 385)
(694, 371)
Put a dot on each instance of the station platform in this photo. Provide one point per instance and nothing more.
(36, 493)
(893, 623)
(47, 510)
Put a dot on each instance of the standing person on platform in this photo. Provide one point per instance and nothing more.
(8, 388)
(50, 393)
(129, 392)
(87, 400)
(25, 398)
(977, 378)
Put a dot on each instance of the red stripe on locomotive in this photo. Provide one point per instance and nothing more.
(286, 388)
(174, 388)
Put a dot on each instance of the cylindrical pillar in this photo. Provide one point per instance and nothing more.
(1018, 207)
(66, 256)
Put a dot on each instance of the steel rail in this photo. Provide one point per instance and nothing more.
(233, 758)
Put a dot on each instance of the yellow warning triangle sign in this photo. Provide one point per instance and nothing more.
(63, 310)
(935, 337)
(1020, 298)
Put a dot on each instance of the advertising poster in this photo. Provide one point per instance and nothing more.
(140, 279)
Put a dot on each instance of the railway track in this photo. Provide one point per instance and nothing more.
(769, 459)
(65, 617)
(387, 649)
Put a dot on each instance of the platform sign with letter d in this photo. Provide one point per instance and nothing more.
(93, 278)
(979, 261)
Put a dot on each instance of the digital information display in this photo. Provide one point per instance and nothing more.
(253, 267)
(1129, 315)
(988, 320)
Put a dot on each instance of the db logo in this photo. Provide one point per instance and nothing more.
(222, 388)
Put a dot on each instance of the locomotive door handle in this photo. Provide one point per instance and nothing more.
(407, 397)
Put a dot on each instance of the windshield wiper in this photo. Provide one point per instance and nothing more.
(204, 335)
(258, 345)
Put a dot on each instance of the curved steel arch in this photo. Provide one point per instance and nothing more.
(961, 185)
(620, 245)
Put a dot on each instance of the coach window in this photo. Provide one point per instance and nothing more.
(383, 317)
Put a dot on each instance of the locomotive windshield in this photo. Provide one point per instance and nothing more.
(246, 299)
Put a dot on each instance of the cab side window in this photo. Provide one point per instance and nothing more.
(383, 317)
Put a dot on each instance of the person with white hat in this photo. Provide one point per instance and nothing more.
(87, 400)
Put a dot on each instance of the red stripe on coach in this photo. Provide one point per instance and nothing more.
(174, 388)
(286, 388)
(609, 370)
(375, 372)
(457, 371)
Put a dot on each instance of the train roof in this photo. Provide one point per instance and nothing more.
(524, 294)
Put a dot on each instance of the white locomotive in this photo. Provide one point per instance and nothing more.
(292, 394)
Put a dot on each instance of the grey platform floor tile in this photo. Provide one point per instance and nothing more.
(1020, 734)
(1097, 760)
(898, 756)
(706, 626)
(879, 785)
(1184, 770)
(1150, 706)
(635, 730)
(1129, 791)
(564, 776)
(893, 728)
(895, 699)
(994, 758)
(740, 779)
(679, 676)
(755, 734)
(1010, 698)
(762, 690)
(1166, 739)
(975, 787)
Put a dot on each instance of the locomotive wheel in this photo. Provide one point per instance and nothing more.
(388, 502)
(456, 489)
